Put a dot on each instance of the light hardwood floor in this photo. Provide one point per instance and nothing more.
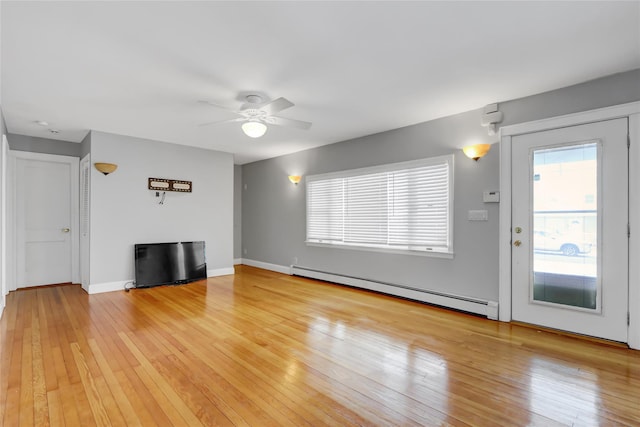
(265, 349)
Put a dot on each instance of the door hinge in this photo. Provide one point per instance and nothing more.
(628, 141)
(628, 230)
(628, 318)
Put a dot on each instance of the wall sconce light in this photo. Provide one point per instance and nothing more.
(106, 168)
(295, 179)
(476, 151)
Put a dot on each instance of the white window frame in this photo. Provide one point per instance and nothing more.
(426, 251)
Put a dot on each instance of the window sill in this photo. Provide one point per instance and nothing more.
(431, 254)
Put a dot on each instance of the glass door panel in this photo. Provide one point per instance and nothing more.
(565, 225)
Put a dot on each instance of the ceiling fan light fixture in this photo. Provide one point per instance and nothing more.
(254, 129)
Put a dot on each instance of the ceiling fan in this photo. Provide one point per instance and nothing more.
(256, 116)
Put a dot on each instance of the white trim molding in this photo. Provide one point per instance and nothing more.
(267, 266)
(221, 272)
(457, 302)
(634, 239)
(4, 153)
(100, 288)
(574, 119)
(632, 112)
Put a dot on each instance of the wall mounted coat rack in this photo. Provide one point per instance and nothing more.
(161, 184)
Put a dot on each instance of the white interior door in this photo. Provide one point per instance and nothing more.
(570, 229)
(45, 225)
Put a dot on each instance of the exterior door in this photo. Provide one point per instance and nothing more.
(570, 229)
(44, 218)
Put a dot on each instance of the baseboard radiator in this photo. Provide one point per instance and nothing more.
(457, 302)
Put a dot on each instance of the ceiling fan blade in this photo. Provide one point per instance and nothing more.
(211, 104)
(239, 119)
(276, 105)
(281, 121)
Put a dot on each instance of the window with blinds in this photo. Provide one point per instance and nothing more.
(403, 206)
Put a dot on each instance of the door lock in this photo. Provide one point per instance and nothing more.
(518, 230)
(517, 243)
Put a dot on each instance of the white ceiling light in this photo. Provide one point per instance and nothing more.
(255, 115)
(254, 129)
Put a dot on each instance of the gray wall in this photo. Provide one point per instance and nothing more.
(125, 212)
(85, 146)
(43, 145)
(237, 212)
(273, 219)
(607, 91)
(273, 210)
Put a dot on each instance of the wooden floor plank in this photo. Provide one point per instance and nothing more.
(7, 346)
(259, 348)
(41, 409)
(174, 407)
(91, 389)
(124, 405)
(27, 404)
(54, 405)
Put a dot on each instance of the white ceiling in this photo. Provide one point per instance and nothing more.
(351, 68)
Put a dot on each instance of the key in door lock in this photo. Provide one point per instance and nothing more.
(517, 243)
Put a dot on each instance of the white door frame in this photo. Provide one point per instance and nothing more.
(4, 153)
(84, 236)
(73, 162)
(630, 110)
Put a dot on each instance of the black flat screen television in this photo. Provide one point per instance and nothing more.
(169, 263)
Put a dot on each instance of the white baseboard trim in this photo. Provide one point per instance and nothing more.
(457, 302)
(470, 305)
(237, 261)
(221, 272)
(99, 288)
(267, 266)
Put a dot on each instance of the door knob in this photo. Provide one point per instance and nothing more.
(66, 230)
(517, 243)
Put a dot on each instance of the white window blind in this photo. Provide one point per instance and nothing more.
(403, 206)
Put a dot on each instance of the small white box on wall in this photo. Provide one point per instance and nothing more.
(491, 196)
